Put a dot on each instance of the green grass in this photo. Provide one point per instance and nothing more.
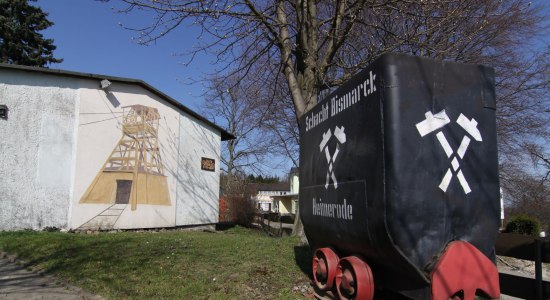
(234, 264)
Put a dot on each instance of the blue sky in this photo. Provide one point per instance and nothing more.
(89, 39)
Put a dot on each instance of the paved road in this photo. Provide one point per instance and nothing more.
(16, 282)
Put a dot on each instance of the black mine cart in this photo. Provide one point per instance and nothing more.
(399, 185)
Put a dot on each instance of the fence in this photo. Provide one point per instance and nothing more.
(528, 248)
(273, 223)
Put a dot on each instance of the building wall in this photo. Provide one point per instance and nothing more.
(58, 143)
(37, 147)
(285, 205)
(197, 189)
(294, 189)
(266, 202)
(192, 193)
(294, 183)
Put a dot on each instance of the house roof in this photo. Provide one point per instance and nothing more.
(224, 134)
(283, 186)
(286, 196)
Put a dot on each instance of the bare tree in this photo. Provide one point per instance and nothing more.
(320, 44)
(312, 45)
(526, 194)
(283, 128)
(541, 159)
(238, 109)
(280, 124)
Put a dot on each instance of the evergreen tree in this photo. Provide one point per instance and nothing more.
(20, 40)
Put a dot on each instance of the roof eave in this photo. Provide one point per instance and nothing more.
(223, 133)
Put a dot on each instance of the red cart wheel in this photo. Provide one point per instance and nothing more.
(325, 262)
(354, 279)
(462, 267)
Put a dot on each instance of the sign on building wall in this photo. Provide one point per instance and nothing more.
(208, 164)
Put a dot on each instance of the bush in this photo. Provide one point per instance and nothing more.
(236, 204)
(523, 224)
(242, 209)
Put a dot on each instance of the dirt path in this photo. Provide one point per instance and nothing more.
(16, 282)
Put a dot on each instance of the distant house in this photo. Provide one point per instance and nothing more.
(288, 203)
(85, 151)
(263, 193)
(277, 197)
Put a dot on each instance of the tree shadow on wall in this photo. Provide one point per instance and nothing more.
(191, 180)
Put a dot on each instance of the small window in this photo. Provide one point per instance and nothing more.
(3, 112)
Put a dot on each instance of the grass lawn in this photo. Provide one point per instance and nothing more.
(234, 264)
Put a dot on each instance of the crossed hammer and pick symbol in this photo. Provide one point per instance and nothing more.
(341, 137)
(434, 123)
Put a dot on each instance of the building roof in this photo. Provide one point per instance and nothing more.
(291, 195)
(224, 134)
(282, 186)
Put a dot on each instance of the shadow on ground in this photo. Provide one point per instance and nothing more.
(303, 257)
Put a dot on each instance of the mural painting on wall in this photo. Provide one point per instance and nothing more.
(133, 174)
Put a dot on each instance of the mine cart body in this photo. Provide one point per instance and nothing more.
(400, 161)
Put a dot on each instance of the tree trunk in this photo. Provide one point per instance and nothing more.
(298, 229)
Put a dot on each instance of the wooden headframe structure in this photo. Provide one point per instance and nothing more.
(134, 172)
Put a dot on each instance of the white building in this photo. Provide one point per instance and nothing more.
(264, 193)
(85, 151)
(278, 197)
(288, 203)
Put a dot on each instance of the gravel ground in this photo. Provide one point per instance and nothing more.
(522, 267)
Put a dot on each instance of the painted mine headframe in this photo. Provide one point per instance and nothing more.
(133, 173)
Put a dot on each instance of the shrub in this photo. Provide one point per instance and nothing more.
(236, 205)
(242, 209)
(523, 224)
